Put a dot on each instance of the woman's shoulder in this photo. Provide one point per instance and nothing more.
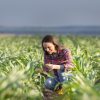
(64, 50)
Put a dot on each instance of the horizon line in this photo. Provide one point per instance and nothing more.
(55, 26)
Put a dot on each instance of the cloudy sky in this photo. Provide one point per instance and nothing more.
(49, 12)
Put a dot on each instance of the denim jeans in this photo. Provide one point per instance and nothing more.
(59, 74)
(50, 83)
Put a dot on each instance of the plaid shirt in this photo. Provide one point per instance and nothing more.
(62, 57)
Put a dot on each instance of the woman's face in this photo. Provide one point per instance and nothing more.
(49, 47)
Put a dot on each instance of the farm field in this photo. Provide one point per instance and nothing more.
(20, 55)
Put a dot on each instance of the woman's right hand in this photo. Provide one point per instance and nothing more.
(50, 66)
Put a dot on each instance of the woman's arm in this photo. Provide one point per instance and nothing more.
(68, 63)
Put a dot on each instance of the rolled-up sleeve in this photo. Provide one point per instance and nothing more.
(68, 64)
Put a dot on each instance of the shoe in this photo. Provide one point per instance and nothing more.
(60, 91)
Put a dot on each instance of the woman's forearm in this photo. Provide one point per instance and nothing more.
(53, 66)
(56, 66)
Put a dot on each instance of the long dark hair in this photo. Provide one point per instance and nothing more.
(52, 39)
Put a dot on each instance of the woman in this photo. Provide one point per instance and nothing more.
(56, 59)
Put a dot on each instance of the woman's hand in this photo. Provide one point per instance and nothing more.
(52, 66)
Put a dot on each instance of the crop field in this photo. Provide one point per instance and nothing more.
(21, 55)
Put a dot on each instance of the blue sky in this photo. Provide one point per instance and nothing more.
(49, 12)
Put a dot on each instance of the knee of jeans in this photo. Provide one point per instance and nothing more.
(50, 83)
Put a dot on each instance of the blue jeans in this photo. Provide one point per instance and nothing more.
(50, 83)
(59, 74)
